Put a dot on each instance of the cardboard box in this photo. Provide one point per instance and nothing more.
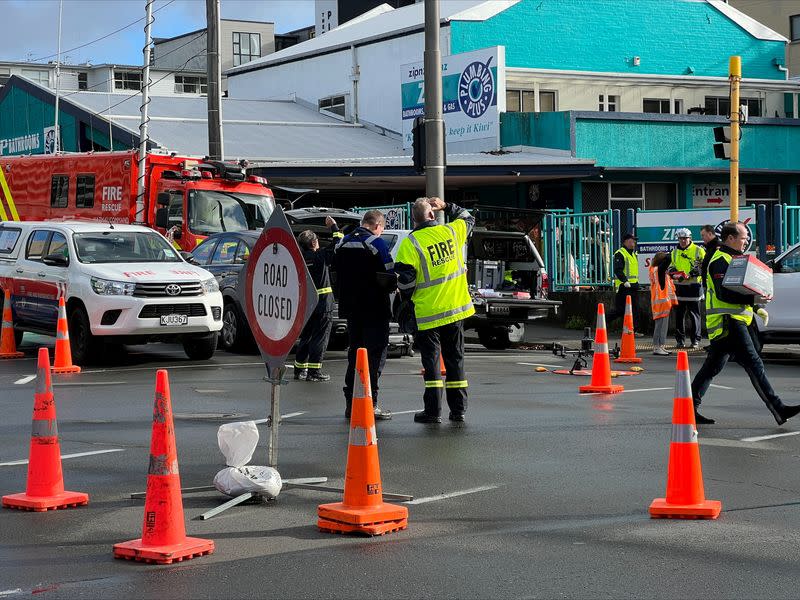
(748, 275)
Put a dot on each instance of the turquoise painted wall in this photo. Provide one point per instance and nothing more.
(604, 36)
(653, 144)
(23, 115)
(546, 130)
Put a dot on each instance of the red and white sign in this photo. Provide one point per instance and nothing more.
(715, 195)
(277, 292)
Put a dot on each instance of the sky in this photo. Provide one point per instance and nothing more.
(30, 30)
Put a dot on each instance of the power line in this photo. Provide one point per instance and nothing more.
(108, 35)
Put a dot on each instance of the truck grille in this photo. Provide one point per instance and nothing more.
(159, 290)
(154, 311)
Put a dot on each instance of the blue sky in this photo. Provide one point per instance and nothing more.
(30, 28)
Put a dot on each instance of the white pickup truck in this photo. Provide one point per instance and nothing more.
(122, 284)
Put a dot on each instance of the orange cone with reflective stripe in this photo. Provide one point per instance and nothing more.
(8, 347)
(63, 359)
(686, 498)
(362, 509)
(601, 362)
(627, 352)
(45, 488)
(163, 538)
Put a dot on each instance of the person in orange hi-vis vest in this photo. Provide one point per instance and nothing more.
(662, 299)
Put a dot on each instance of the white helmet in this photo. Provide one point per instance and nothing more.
(684, 233)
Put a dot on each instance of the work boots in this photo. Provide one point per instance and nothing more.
(300, 374)
(317, 375)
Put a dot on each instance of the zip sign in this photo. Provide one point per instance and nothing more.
(277, 291)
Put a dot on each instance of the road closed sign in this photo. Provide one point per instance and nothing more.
(277, 291)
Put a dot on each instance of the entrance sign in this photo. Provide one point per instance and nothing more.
(715, 195)
(277, 291)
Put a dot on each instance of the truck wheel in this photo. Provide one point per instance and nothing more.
(200, 347)
(83, 345)
(494, 337)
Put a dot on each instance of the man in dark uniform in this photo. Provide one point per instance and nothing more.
(710, 243)
(365, 279)
(626, 280)
(314, 337)
(728, 316)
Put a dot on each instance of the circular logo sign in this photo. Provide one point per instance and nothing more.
(718, 231)
(276, 291)
(476, 89)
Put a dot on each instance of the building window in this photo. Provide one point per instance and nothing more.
(336, 105)
(37, 76)
(655, 106)
(5, 75)
(190, 84)
(525, 101)
(794, 26)
(608, 103)
(720, 105)
(59, 191)
(84, 191)
(83, 81)
(127, 80)
(547, 101)
(246, 47)
(763, 192)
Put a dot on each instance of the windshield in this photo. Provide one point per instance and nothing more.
(215, 211)
(123, 247)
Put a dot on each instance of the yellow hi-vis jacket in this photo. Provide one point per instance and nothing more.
(631, 267)
(716, 309)
(686, 260)
(437, 253)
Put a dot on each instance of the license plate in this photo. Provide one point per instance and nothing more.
(171, 320)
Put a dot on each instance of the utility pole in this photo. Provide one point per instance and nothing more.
(57, 141)
(735, 74)
(434, 123)
(144, 109)
(215, 149)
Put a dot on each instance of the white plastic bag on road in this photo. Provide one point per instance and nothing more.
(237, 442)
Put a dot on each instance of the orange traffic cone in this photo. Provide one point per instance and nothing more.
(163, 538)
(686, 498)
(63, 359)
(628, 346)
(45, 488)
(362, 509)
(601, 362)
(8, 347)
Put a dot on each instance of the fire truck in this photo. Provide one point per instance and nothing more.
(186, 199)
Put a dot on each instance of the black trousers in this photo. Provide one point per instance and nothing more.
(737, 344)
(372, 334)
(446, 341)
(314, 338)
(619, 305)
(692, 310)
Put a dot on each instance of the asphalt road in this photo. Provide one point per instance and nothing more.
(542, 493)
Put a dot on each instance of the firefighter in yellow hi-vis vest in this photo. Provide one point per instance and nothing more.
(728, 316)
(432, 274)
(626, 280)
(685, 269)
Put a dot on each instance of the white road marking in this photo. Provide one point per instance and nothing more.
(659, 389)
(769, 437)
(405, 412)
(721, 387)
(23, 381)
(483, 488)
(83, 383)
(527, 364)
(289, 416)
(199, 391)
(5, 593)
(63, 456)
(193, 366)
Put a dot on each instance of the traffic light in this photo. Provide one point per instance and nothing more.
(418, 144)
(722, 147)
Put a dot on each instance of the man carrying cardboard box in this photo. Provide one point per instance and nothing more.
(728, 316)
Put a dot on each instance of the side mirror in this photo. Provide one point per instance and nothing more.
(56, 260)
(776, 266)
(162, 218)
(162, 198)
(187, 256)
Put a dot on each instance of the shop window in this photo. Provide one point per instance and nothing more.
(59, 191)
(246, 47)
(608, 103)
(721, 105)
(128, 80)
(190, 84)
(84, 191)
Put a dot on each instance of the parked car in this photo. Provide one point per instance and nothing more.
(122, 284)
(502, 308)
(784, 318)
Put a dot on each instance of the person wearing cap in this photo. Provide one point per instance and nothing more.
(626, 279)
(684, 271)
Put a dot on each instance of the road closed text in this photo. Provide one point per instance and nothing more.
(276, 304)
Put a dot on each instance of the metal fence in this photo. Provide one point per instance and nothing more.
(579, 248)
(790, 226)
(398, 216)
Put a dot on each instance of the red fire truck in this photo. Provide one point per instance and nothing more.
(185, 198)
